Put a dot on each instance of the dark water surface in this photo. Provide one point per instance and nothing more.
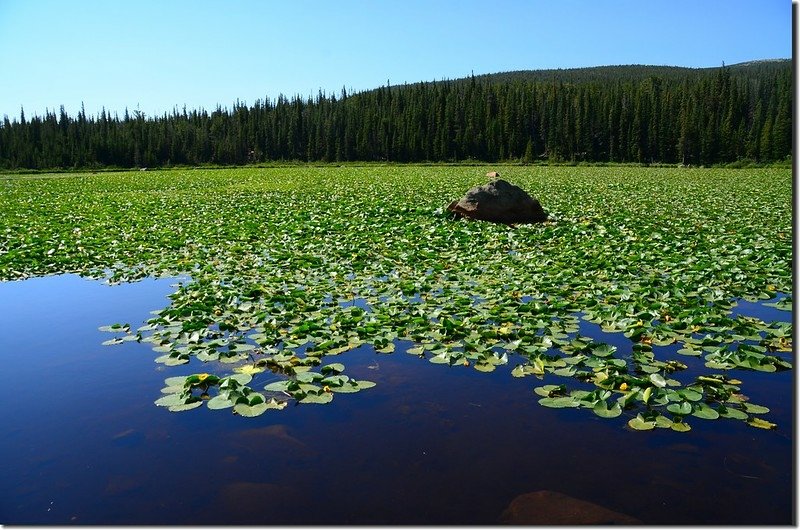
(83, 443)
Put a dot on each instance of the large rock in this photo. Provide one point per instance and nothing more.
(499, 202)
(552, 508)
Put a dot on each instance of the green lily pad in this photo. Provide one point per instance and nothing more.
(640, 424)
(559, 402)
(519, 371)
(761, 424)
(690, 394)
(242, 379)
(701, 410)
(334, 380)
(684, 408)
(278, 386)
(249, 369)
(185, 406)
(484, 367)
(175, 381)
(733, 413)
(389, 348)
(115, 328)
(662, 422)
(334, 368)
(549, 390)
(170, 400)
(603, 350)
(658, 380)
(250, 411)
(207, 356)
(680, 426)
(604, 411)
(308, 377)
(755, 409)
(320, 398)
(352, 386)
(219, 402)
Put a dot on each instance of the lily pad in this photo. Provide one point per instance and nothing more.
(761, 424)
(278, 386)
(219, 402)
(317, 398)
(701, 410)
(731, 412)
(662, 422)
(249, 369)
(680, 426)
(333, 368)
(658, 380)
(559, 402)
(755, 409)
(684, 408)
(170, 400)
(604, 411)
(640, 424)
(185, 406)
(550, 390)
(603, 350)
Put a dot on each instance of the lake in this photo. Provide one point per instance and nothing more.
(84, 444)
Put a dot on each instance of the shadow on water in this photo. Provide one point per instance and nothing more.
(430, 444)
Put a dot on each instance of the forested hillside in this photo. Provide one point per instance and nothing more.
(641, 114)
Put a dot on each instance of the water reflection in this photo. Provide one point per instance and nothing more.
(430, 444)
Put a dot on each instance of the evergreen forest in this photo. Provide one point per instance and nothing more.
(617, 114)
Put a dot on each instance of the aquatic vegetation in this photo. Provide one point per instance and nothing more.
(292, 266)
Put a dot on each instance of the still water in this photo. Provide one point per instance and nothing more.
(84, 444)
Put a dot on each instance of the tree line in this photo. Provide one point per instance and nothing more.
(633, 114)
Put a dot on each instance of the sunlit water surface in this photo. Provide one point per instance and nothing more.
(84, 444)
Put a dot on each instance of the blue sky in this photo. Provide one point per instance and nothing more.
(165, 53)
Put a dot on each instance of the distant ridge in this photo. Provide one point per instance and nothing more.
(630, 72)
(761, 61)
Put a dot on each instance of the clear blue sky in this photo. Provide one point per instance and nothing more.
(165, 53)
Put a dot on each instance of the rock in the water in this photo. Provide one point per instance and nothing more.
(552, 508)
(499, 202)
(493, 174)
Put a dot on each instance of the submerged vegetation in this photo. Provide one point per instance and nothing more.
(292, 266)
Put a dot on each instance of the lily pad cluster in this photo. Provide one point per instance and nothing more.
(288, 266)
(319, 387)
(189, 392)
(232, 392)
(707, 398)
